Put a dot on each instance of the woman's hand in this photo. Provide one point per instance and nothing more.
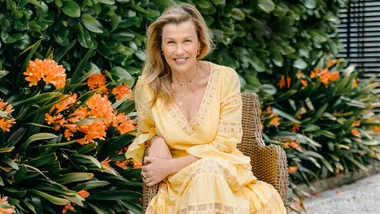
(156, 169)
(158, 148)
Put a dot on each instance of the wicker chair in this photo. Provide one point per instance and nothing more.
(268, 162)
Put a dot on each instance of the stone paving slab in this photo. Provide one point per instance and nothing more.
(361, 197)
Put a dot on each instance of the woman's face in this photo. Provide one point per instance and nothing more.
(180, 46)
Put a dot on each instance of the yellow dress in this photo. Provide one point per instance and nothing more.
(221, 181)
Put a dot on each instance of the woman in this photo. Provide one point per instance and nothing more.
(189, 113)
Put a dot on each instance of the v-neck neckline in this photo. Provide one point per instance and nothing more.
(202, 101)
(189, 126)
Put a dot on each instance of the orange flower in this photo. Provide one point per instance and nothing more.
(356, 133)
(275, 121)
(67, 207)
(303, 82)
(9, 109)
(67, 101)
(355, 83)
(123, 123)
(296, 146)
(327, 77)
(5, 125)
(100, 107)
(292, 169)
(376, 128)
(97, 81)
(79, 114)
(314, 73)
(83, 193)
(95, 130)
(46, 69)
(282, 81)
(122, 164)
(296, 128)
(121, 91)
(356, 123)
(4, 201)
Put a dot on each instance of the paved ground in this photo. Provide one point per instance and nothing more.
(362, 197)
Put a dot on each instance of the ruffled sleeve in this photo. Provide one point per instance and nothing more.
(230, 128)
(146, 127)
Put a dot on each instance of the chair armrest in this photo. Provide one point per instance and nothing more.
(148, 192)
(271, 167)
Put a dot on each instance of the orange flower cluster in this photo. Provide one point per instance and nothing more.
(5, 121)
(274, 118)
(293, 144)
(46, 69)
(122, 91)
(4, 201)
(98, 81)
(98, 109)
(326, 77)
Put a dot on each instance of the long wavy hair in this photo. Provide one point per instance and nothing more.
(157, 73)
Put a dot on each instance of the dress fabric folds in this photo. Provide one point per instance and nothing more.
(222, 180)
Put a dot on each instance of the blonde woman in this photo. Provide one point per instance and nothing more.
(189, 113)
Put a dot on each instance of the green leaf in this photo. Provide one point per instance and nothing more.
(300, 64)
(91, 185)
(37, 99)
(52, 199)
(237, 14)
(115, 195)
(91, 23)
(36, 137)
(324, 161)
(285, 115)
(85, 39)
(3, 73)
(74, 177)
(266, 5)
(6, 150)
(78, 72)
(310, 4)
(35, 2)
(123, 35)
(9, 162)
(44, 159)
(108, 2)
(71, 8)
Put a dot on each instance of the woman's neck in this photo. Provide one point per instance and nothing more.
(186, 77)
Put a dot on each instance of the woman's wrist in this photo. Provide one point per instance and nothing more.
(154, 139)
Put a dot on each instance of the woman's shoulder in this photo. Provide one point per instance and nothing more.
(225, 72)
(143, 93)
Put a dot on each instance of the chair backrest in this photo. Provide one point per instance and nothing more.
(251, 124)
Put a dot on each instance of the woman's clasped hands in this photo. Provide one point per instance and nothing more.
(157, 165)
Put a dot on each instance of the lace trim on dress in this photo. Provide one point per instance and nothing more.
(232, 100)
(190, 127)
(141, 111)
(230, 127)
(221, 146)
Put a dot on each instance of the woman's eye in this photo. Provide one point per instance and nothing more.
(188, 41)
(170, 42)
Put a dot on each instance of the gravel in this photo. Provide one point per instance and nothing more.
(361, 197)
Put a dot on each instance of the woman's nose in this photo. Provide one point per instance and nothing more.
(179, 50)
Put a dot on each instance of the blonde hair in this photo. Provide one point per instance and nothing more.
(157, 73)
